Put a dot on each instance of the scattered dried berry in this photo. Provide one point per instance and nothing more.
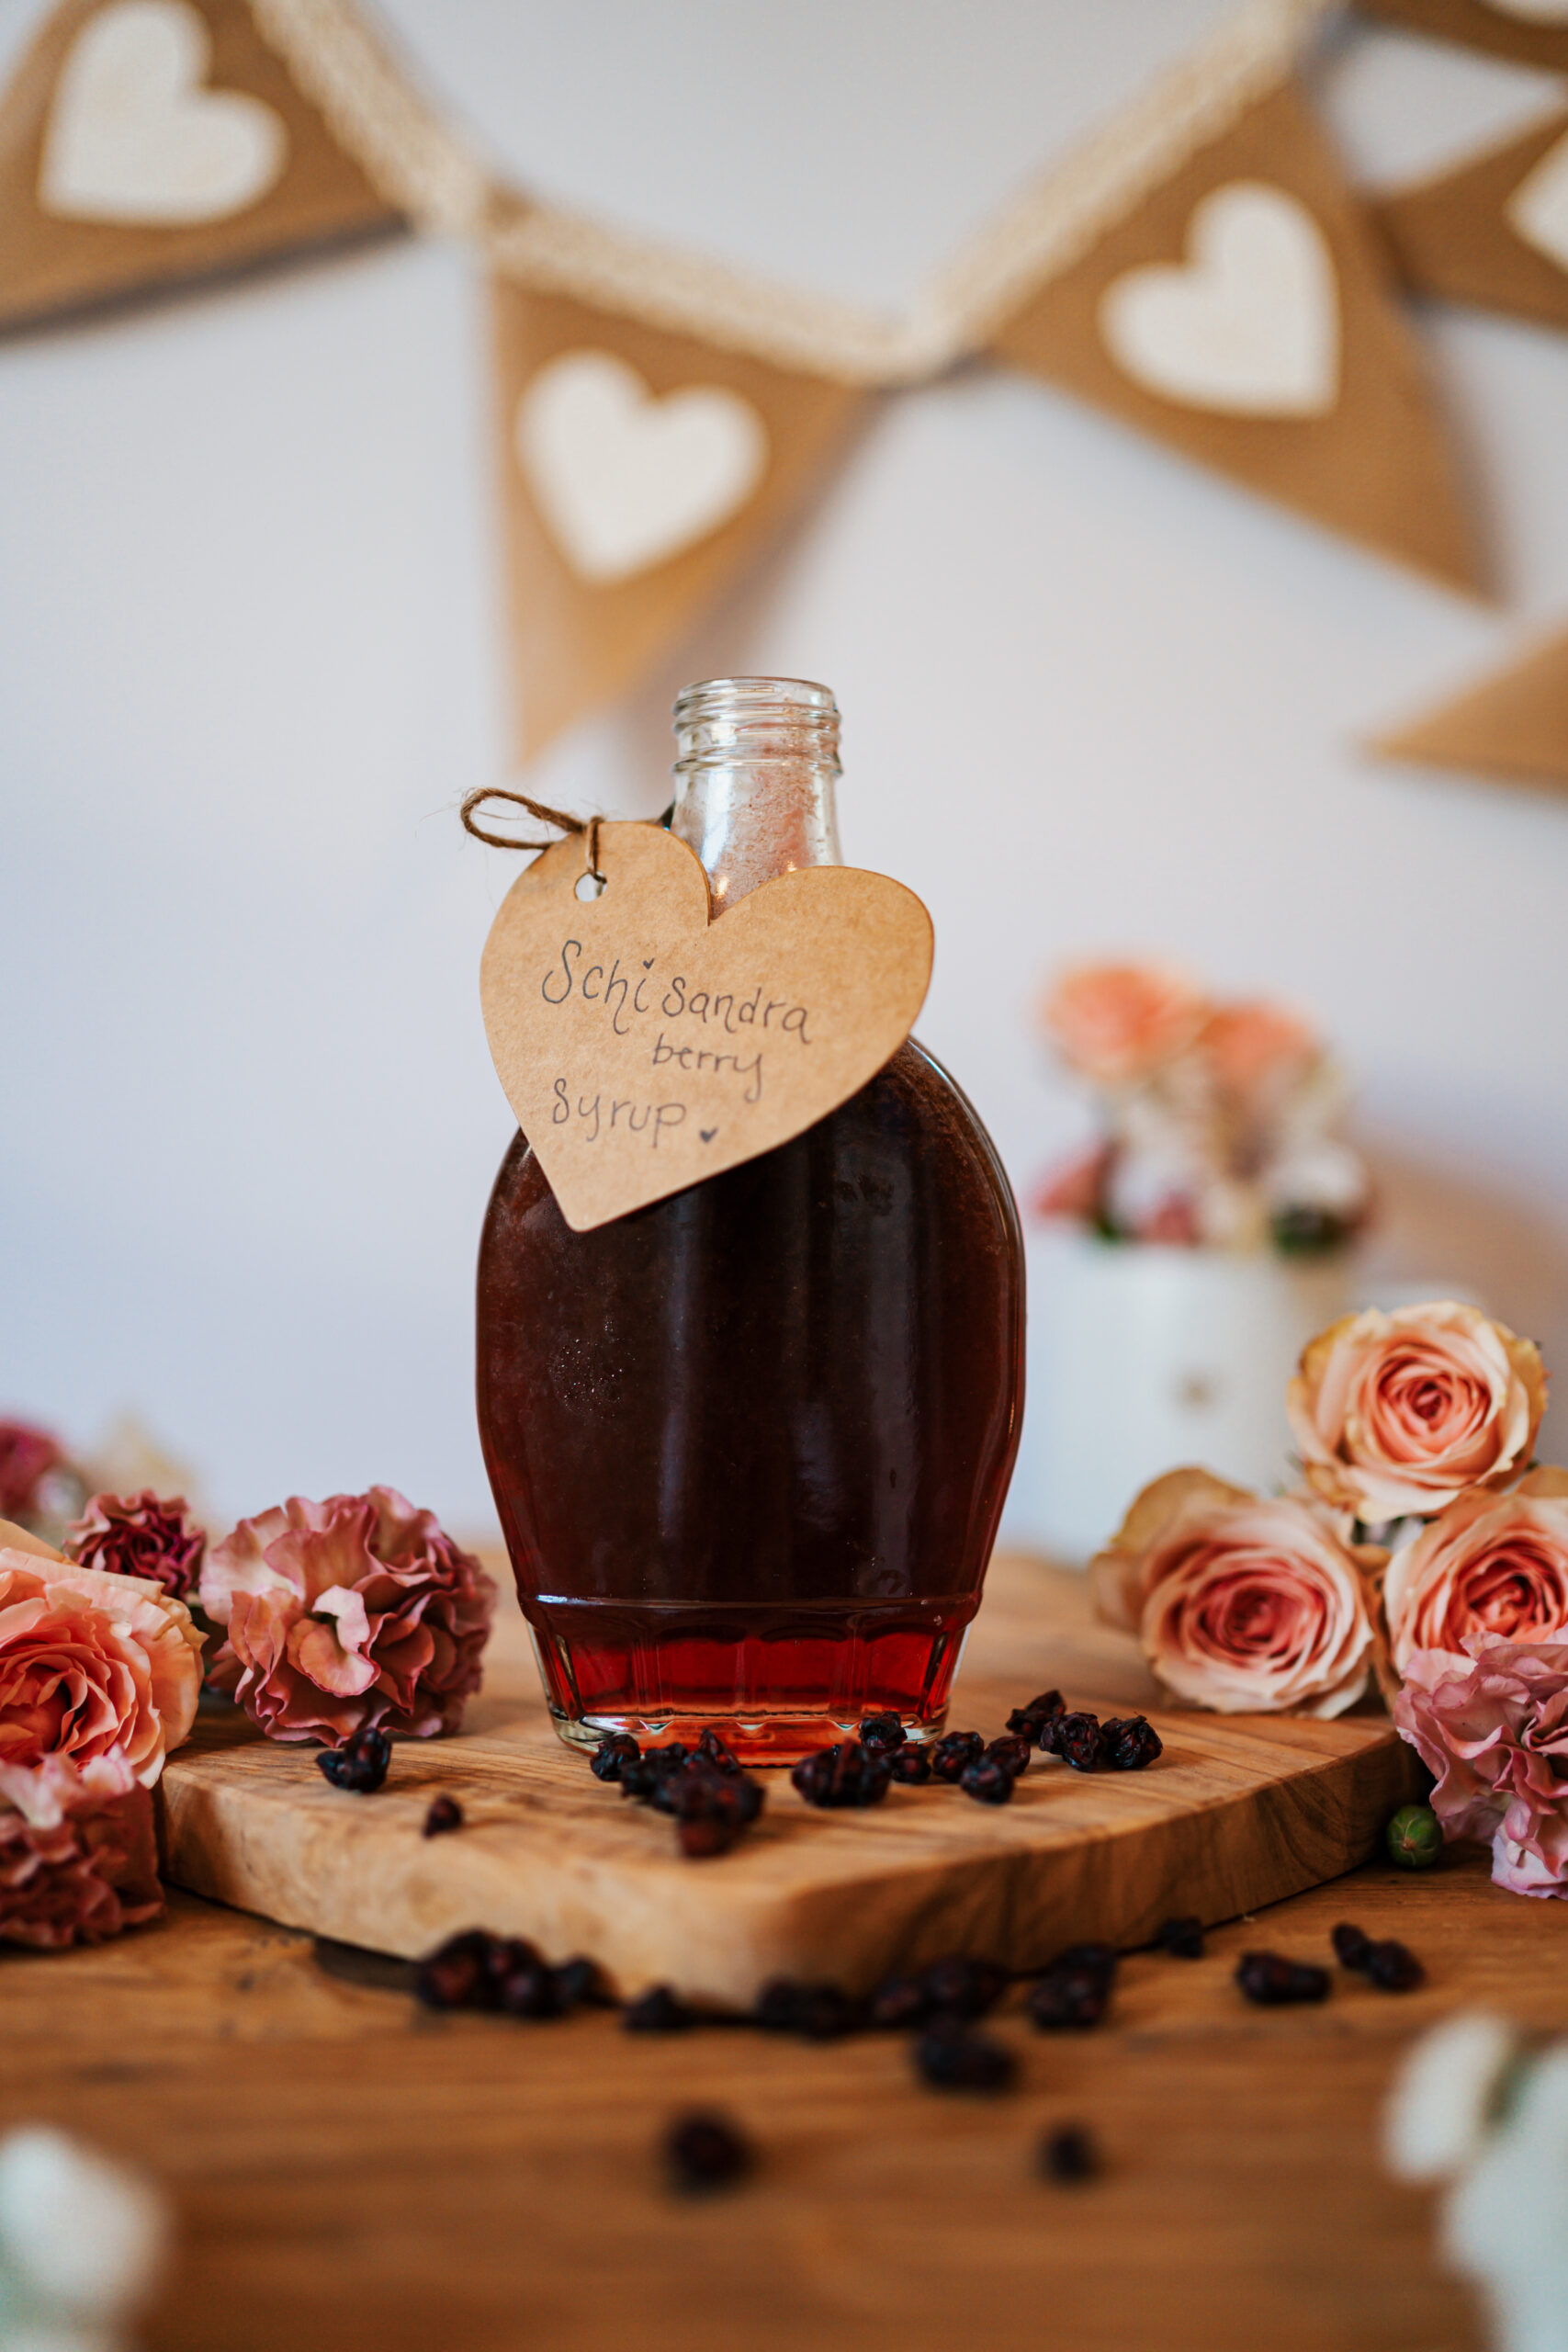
(1273, 1982)
(1030, 1721)
(457, 1974)
(704, 2151)
(1392, 1967)
(955, 1752)
(444, 1814)
(579, 1985)
(882, 1733)
(1351, 1945)
(910, 1767)
(361, 1762)
(714, 1751)
(1129, 1743)
(711, 1805)
(1072, 1993)
(615, 1750)
(530, 1990)
(1414, 1838)
(987, 1781)
(1012, 1752)
(902, 2001)
(642, 1776)
(847, 1774)
(951, 2058)
(1069, 2154)
(1183, 1938)
(659, 2011)
(964, 1988)
(1079, 1739)
(1104, 1959)
(816, 2012)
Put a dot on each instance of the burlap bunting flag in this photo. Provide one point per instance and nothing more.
(1495, 231)
(1533, 32)
(1512, 725)
(145, 141)
(641, 471)
(1242, 310)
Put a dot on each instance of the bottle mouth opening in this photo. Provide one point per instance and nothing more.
(721, 720)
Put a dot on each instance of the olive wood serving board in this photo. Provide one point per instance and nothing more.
(1238, 1811)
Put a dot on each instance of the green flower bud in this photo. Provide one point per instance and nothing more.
(1414, 1838)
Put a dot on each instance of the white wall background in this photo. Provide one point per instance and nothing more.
(251, 656)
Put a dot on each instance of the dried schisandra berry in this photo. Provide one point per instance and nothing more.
(1274, 1982)
(1129, 1743)
(1351, 1945)
(456, 1975)
(882, 1733)
(1030, 1721)
(1183, 1938)
(901, 2002)
(361, 1762)
(579, 1985)
(987, 1781)
(617, 1749)
(530, 1990)
(847, 1774)
(1414, 1838)
(1069, 2154)
(816, 2012)
(704, 2151)
(445, 1813)
(964, 1988)
(659, 2010)
(1075, 1990)
(642, 1776)
(1012, 1752)
(951, 2058)
(1079, 1739)
(955, 1752)
(1393, 1967)
(910, 1767)
(710, 1805)
(713, 1750)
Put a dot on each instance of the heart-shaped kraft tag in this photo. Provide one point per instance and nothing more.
(644, 1046)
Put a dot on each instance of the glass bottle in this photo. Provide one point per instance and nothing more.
(749, 1444)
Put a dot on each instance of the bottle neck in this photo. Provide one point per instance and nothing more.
(754, 780)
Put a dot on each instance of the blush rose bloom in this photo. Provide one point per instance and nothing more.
(93, 1666)
(1494, 1730)
(355, 1612)
(1396, 1414)
(76, 1866)
(1243, 1603)
(1120, 1022)
(1490, 1568)
(139, 1535)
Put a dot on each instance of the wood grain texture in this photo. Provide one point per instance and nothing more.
(1238, 1811)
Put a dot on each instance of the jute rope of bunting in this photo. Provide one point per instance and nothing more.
(422, 168)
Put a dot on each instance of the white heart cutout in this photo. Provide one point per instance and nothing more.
(624, 479)
(134, 138)
(1531, 12)
(1537, 209)
(1249, 324)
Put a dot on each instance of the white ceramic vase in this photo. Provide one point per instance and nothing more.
(1143, 1357)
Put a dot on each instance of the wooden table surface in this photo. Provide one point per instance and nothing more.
(348, 2172)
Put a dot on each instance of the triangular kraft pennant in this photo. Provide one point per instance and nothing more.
(1534, 31)
(1514, 725)
(147, 141)
(1494, 231)
(641, 471)
(1242, 310)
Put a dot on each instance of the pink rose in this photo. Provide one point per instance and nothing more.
(1243, 1603)
(1494, 1730)
(1119, 1023)
(138, 1536)
(1397, 1414)
(92, 1666)
(358, 1610)
(76, 1866)
(1489, 1567)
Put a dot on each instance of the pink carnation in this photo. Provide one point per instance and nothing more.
(75, 1866)
(138, 1536)
(1494, 1729)
(357, 1610)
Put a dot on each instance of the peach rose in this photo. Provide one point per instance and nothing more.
(1255, 1044)
(1244, 1603)
(1491, 1566)
(92, 1666)
(1397, 1414)
(1119, 1023)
